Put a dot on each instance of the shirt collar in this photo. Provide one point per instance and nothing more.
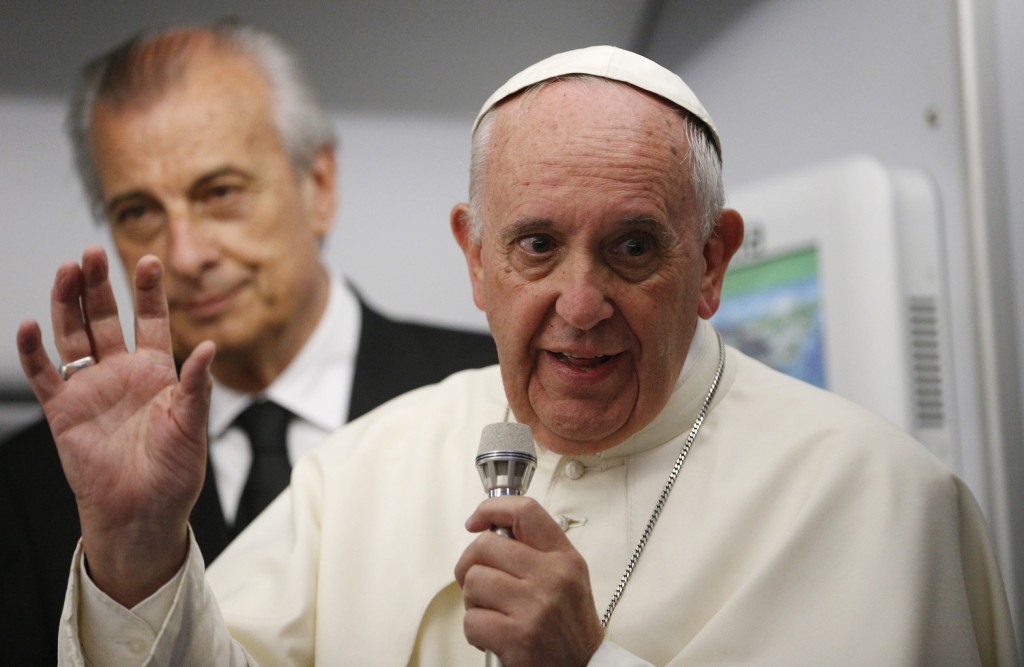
(316, 386)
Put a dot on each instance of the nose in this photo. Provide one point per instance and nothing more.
(189, 250)
(582, 294)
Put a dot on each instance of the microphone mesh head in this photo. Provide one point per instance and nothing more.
(506, 459)
(506, 437)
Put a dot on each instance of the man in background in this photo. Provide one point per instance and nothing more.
(206, 148)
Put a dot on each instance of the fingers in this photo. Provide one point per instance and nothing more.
(532, 527)
(102, 322)
(84, 310)
(480, 625)
(495, 553)
(530, 523)
(528, 600)
(192, 400)
(152, 318)
(35, 362)
(85, 318)
(69, 332)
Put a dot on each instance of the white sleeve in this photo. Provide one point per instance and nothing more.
(98, 632)
(114, 635)
(613, 655)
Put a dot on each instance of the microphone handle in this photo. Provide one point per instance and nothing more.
(491, 660)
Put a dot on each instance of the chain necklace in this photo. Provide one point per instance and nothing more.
(658, 506)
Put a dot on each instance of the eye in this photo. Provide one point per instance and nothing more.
(634, 246)
(131, 213)
(536, 244)
(636, 255)
(222, 198)
(220, 191)
(137, 220)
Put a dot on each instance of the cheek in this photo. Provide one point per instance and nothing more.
(515, 315)
(278, 257)
(665, 326)
(504, 322)
(285, 278)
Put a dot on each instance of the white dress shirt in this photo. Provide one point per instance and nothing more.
(316, 388)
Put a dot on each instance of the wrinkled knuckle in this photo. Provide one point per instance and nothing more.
(577, 563)
(471, 627)
(568, 573)
(472, 580)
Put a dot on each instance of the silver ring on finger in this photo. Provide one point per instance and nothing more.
(69, 369)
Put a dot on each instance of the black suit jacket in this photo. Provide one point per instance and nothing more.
(39, 526)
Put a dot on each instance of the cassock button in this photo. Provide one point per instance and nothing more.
(574, 469)
(567, 523)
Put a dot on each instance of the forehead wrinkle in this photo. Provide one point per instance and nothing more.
(643, 181)
(637, 149)
(629, 153)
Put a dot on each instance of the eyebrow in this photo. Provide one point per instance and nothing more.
(226, 170)
(659, 230)
(111, 205)
(533, 225)
(523, 227)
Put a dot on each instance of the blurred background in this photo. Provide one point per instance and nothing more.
(927, 86)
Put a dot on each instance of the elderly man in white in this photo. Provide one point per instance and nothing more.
(716, 511)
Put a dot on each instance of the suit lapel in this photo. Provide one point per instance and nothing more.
(207, 518)
(375, 363)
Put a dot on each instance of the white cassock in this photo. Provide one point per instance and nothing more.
(802, 530)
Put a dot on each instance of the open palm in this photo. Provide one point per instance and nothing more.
(131, 436)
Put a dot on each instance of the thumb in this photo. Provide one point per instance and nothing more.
(191, 403)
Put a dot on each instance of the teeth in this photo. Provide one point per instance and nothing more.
(582, 361)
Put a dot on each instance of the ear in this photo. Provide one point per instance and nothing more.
(718, 250)
(462, 230)
(321, 191)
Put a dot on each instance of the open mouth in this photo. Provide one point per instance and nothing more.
(581, 361)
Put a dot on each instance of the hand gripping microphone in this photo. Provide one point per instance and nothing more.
(506, 461)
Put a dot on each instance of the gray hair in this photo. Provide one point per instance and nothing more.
(140, 70)
(705, 164)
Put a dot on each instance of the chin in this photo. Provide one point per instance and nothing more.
(590, 440)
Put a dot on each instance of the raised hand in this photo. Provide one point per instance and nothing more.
(528, 600)
(131, 436)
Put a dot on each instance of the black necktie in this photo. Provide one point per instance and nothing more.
(266, 424)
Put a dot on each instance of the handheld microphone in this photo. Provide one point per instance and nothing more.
(506, 461)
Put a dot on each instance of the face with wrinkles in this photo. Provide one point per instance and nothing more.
(590, 266)
(200, 178)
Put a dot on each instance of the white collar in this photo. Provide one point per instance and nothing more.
(317, 385)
